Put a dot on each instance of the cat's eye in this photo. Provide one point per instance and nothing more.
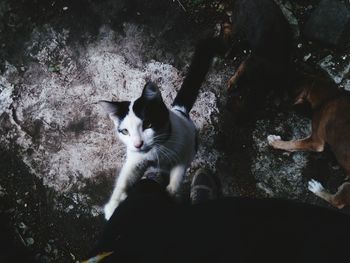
(124, 131)
(146, 125)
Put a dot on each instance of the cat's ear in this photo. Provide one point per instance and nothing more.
(151, 92)
(110, 107)
(114, 109)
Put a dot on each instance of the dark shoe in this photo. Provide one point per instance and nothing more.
(203, 187)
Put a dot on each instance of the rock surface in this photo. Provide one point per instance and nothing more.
(329, 23)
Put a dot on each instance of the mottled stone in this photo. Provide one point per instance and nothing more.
(329, 23)
(287, 10)
(29, 241)
(337, 69)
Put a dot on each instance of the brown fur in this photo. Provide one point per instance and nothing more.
(233, 80)
(340, 199)
(330, 125)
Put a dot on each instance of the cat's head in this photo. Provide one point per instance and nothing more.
(140, 123)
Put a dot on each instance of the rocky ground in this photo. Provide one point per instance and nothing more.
(59, 155)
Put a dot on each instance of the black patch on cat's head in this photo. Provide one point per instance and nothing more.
(115, 109)
(150, 107)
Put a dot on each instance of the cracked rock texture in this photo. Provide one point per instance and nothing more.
(64, 135)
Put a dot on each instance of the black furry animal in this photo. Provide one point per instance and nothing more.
(150, 227)
(261, 27)
(205, 51)
(258, 25)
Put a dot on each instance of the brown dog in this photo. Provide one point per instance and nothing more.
(331, 125)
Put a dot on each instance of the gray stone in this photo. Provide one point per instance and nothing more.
(287, 10)
(29, 241)
(2, 192)
(346, 84)
(329, 23)
(44, 259)
(48, 248)
(337, 69)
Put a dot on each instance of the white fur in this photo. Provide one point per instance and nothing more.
(174, 155)
(180, 108)
(273, 138)
(315, 187)
(136, 134)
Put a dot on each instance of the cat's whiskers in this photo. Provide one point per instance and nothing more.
(157, 155)
(173, 155)
(164, 154)
(158, 139)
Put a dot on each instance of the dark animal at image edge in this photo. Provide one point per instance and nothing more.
(263, 28)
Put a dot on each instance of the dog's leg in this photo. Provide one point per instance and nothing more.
(233, 80)
(227, 32)
(339, 199)
(307, 144)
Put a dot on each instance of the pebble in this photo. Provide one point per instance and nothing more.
(29, 241)
(44, 259)
(94, 213)
(48, 248)
(306, 57)
(22, 226)
(73, 257)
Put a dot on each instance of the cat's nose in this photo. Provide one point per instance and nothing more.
(138, 145)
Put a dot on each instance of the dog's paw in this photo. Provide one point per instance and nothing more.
(273, 139)
(315, 186)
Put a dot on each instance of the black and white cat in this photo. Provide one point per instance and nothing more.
(154, 134)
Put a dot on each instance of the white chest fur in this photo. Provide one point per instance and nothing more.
(175, 154)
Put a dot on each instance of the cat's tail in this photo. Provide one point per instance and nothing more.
(205, 51)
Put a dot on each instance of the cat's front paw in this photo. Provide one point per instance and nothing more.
(113, 204)
(109, 209)
(171, 190)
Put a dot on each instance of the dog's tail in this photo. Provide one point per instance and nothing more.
(205, 51)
